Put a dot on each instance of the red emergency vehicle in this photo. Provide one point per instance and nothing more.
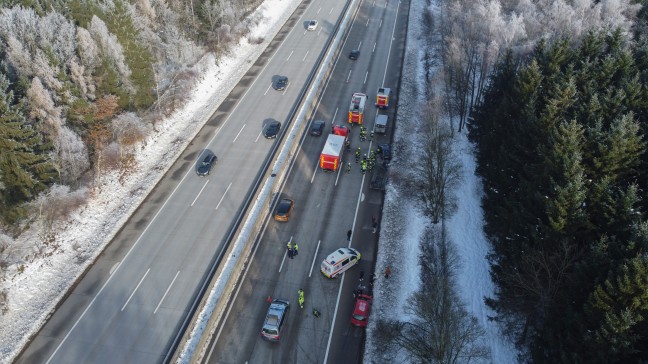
(356, 109)
(382, 98)
(331, 156)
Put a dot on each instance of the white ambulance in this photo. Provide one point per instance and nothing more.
(339, 261)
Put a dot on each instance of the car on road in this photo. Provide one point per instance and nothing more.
(385, 152)
(271, 129)
(312, 25)
(280, 83)
(339, 262)
(275, 320)
(284, 209)
(317, 128)
(354, 54)
(361, 310)
(206, 165)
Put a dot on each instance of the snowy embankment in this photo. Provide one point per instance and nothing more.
(403, 222)
(34, 287)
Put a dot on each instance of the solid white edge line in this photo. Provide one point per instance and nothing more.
(222, 197)
(199, 192)
(135, 290)
(314, 258)
(165, 293)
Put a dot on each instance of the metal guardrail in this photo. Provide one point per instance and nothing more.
(219, 281)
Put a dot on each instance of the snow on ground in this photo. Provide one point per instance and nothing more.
(403, 223)
(34, 292)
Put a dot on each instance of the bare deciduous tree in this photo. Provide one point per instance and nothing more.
(439, 170)
(439, 330)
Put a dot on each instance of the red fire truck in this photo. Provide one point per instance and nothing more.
(356, 109)
(382, 98)
(331, 156)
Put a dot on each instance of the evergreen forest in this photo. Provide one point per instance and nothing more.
(560, 138)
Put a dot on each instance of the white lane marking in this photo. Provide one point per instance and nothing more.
(290, 55)
(333, 120)
(330, 11)
(390, 42)
(114, 268)
(216, 130)
(366, 25)
(339, 171)
(318, 10)
(305, 55)
(374, 48)
(286, 89)
(348, 77)
(268, 89)
(380, 25)
(284, 256)
(135, 290)
(314, 257)
(359, 45)
(365, 80)
(165, 293)
(258, 136)
(374, 3)
(315, 171)
(199, 192)
(337, 305)
(221, 200)
(239, 133)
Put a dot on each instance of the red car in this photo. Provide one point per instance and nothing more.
(361, 310)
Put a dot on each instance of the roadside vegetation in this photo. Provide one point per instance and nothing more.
(553, 95)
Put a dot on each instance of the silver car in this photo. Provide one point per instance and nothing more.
(275, 320)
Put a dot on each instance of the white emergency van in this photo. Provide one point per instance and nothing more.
(339, 261)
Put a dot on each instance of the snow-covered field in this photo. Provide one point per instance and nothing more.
(34, 290)
(34, 287)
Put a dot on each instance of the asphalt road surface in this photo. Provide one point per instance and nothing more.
(327, 206)
(131, 303)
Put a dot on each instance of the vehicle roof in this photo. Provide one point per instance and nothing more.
(334, 145)
(381, 119)
(340, 254)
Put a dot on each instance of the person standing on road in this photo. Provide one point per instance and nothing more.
(295, 250)
(358, 152)
(387, 272)
(349, 167)
(300, 292)
(349, 235)
(290, 250)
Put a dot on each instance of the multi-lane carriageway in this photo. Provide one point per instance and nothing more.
(328, 205)
(130, 304)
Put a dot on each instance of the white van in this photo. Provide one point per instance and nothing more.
(339, 261)
(380, 126)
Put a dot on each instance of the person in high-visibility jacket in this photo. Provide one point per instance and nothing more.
(295, 249)
(301, 298)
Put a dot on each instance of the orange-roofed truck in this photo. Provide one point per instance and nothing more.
(356, 109)
(382, 98)
(331, 156)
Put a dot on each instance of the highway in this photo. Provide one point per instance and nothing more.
(327, 206)
(131, 303)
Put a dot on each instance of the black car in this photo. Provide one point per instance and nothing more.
(385, 152)
(271, 129)
(280, 83)
(317, 128)
(206, 165)
(354, 54)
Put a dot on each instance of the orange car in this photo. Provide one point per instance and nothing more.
(284, 209)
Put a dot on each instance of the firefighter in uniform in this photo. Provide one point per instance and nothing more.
(300, 292)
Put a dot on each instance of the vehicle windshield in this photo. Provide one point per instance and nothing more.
(359, 317)
(270, 331)
(284, 206)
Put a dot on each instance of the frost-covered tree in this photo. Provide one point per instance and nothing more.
(42, 108)
(71, 156)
